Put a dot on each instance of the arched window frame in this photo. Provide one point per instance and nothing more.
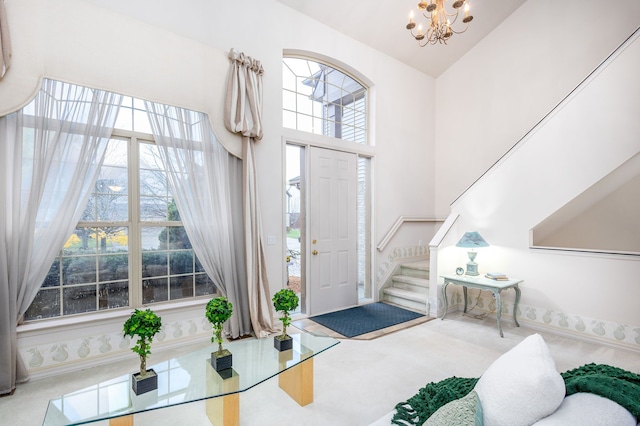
(323, 99)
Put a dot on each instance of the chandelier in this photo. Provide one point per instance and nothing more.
(440, 21)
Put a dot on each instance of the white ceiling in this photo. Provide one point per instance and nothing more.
(381, 25)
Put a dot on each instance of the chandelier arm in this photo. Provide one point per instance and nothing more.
(460, 32)
(430, 41)
(429, 34)
(455, 18)
(428, 17)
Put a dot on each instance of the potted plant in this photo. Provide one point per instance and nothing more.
(144, 324)
(218, 311)
(284, 301)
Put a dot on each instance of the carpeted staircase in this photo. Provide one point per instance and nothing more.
(409, 288)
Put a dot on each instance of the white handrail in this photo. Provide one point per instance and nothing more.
(401, 220)
(443, 230)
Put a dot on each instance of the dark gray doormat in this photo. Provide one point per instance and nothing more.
(365, 319)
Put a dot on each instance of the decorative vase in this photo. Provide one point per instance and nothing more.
(221, 360)
(144, 384)
(283, 343)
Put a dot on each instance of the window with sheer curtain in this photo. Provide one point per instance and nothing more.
(130, 247)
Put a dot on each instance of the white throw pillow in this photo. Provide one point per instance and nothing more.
(590, 409)
(522, 386)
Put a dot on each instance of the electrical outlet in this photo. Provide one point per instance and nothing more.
(419, 243)
(271, 240)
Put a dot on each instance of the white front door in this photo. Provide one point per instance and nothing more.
(332, 230)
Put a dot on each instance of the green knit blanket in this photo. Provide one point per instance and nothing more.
(620, 386)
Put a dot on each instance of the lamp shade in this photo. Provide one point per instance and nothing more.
(472, 240)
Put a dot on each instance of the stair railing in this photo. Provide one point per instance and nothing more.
(398, 224)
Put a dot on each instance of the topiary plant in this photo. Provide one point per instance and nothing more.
(285, 301)
(144, 324)
(218, 311)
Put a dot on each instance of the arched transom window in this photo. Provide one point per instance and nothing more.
(323, 100)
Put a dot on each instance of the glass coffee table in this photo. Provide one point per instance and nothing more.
(189, 378)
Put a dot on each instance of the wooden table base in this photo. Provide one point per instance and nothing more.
(297, 382)
(122, 421)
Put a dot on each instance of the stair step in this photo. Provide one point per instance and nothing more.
(406, 282)
(405, 294)
(415, 269)
(406, 298)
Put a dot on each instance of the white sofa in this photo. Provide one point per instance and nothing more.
(523, 388)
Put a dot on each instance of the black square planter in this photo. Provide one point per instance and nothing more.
(221, 360)
(144, 384)
(282, 344)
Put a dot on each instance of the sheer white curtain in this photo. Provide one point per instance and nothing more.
(243, 114)
(199, 177)
(50, 155)
(5, 41)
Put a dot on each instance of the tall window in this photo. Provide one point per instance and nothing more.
(323, 100)
(129, 248)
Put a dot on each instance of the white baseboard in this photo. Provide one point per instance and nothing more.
(589, 330)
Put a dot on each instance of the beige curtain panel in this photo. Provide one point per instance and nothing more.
(243, 107)
(5, 41)
(243, 114)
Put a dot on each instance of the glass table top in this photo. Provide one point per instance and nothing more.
(184, 379)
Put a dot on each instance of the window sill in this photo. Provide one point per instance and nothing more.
(112, 316)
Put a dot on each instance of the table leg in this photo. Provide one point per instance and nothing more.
(464, 292)
(444, 299)
(499, 312)
(121, 421)
(223, 410)
(298, 382)
(515, 305)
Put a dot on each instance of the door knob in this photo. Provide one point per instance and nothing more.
(314, 252)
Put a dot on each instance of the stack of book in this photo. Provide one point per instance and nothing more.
(498, 276)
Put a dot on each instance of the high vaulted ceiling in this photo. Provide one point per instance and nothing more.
(380, 24)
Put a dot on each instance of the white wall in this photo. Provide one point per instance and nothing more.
(609, 223)
(515, 81)
(184, 63)
(496, 93)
